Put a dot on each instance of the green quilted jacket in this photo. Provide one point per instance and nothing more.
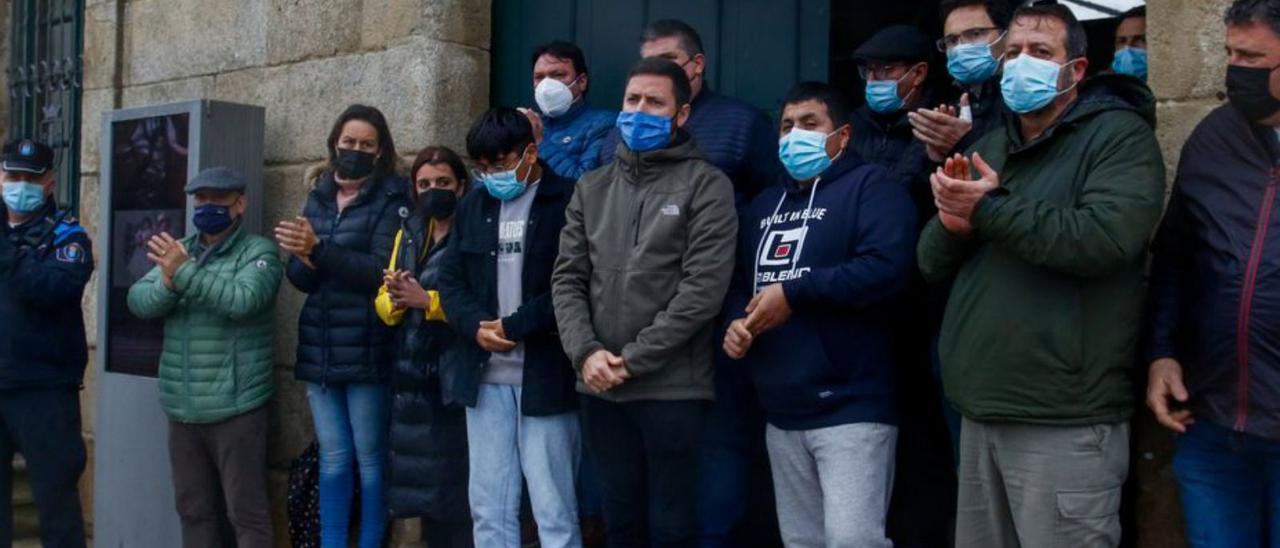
(216, 361)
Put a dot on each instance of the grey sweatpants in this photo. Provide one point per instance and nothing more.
(1033, 486)
(833, 484)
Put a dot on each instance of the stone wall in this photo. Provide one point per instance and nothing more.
(1188, 68)
(425, 63)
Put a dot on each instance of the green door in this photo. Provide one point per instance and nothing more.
(756, 49)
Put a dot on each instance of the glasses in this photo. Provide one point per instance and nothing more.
(477, 173)
(882, 72)
(968, 36)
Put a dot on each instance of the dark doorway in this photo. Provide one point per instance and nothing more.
(756, 49)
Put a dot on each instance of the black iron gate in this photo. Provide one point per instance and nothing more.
(45, 65)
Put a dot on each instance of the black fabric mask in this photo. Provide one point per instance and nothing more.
(212, 219)
(353, 164)
(438, 203)
(1249, 90)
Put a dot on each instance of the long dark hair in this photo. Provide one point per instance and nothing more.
(436, 155)
(386, 162)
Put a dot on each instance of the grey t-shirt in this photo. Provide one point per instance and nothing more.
(508, 367)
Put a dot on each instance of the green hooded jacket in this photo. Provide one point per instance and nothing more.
(1043, 319)
(217, 356)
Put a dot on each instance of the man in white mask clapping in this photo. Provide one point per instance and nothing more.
(568, 132)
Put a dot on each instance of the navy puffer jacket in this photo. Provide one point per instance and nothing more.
(340, 338)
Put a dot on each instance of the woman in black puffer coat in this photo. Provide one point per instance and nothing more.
(338, 249)
(428, 474)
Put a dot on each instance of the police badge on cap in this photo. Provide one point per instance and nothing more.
(27, 156)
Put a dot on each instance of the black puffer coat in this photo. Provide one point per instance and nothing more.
(428, 437)
(340, 338)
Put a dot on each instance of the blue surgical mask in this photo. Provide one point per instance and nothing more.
(212, 219)
(882, 96)
(504, 185)
(972, 63)
(1131, 61)
(23, 197)
(643, 132)
(1030, 83)
(804, 153)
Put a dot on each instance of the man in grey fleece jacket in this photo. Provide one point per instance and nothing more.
(645, 259)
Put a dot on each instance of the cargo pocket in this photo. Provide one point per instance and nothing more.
(1089, 518)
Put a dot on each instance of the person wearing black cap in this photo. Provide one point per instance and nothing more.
(216, 290)
(895, 64)
(45, 262)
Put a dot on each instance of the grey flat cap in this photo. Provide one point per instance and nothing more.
(223, 179)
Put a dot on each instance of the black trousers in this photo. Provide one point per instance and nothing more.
(447, 534)
(646, 455)
(44, 426)
(220, 475)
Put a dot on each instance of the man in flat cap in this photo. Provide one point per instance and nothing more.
(894, 63)
(215, 290)
(45, 263)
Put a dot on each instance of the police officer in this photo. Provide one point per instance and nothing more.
(45, 262)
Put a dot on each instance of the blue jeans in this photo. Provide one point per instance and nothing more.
(1230, 487)
(506, 446)
(735, 501)
(351, 427)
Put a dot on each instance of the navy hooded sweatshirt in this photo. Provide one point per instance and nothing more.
(842, 248)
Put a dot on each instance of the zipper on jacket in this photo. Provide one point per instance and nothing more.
(635, 224)
(186, 365)
(1246, 301)
(235, 368)
(324, 316)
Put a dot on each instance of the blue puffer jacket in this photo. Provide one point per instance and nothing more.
(571, 143)
(1215, 282)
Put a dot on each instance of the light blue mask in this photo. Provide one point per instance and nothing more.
(643, 132)
(504, 185)
(22, 197)
(882, 96)
(1030, 83)
(972, 63)
(1131, 61)
(804, 153)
